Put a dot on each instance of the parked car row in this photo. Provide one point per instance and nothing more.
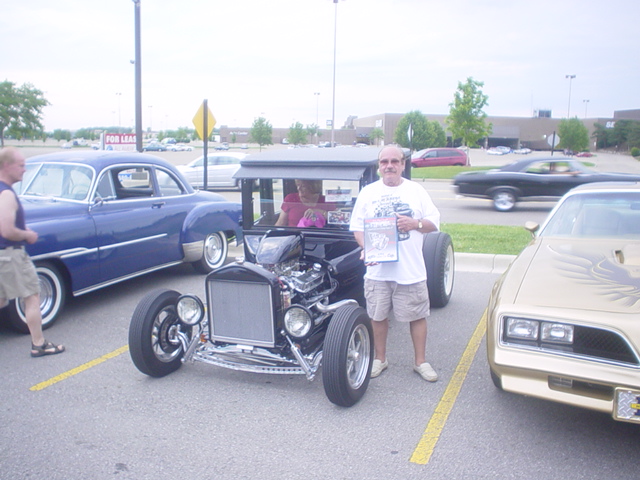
(499, 150)
(561, 321)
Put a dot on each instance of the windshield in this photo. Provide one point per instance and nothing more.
(597, 214)
(65, 181)
(304, 203)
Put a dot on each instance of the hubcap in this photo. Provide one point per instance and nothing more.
(358, 356)
(213, 249)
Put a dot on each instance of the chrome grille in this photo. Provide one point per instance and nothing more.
(241, 312)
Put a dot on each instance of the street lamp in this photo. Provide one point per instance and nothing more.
(333, 110)
(138, 77)
(586, 102)
(570, 77)
(317, 95)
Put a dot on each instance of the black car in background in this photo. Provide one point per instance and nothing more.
(531, 179)
(295, 301)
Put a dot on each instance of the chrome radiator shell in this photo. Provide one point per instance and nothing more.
(243, 305)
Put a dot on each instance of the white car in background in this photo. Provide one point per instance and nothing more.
(179, 147)
(221, 166)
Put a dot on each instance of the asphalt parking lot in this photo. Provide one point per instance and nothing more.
(88, 413)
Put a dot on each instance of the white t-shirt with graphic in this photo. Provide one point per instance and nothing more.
(410, 199)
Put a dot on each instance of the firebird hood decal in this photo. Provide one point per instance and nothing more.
(582, 276)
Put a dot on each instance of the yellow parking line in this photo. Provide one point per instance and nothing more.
(427, 443)
(80, 369)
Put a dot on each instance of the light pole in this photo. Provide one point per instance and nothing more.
(333, 110)
(570, 77)
(317, 95)
(150, 120)
(138, 77)
(586, 102)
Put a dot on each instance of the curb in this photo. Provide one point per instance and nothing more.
(482, 262)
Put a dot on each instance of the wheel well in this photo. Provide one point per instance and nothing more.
(513, 190)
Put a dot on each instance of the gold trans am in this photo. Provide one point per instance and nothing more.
(563, 322)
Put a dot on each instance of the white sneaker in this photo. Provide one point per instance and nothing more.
(378, 367)
(425, 371)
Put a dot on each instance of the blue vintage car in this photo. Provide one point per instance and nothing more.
(105, 217)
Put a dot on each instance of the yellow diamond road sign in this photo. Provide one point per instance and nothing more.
(198, 121)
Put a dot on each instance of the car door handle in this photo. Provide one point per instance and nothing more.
(157, 205)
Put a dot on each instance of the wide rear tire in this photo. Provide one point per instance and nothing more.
(439, 261)
(347, 356)
(151, 346)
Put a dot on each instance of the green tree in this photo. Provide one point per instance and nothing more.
(601, 135)
(261, 132)
(297, 134)
(467, 120)
(634, 136)
(313, 131)
(376, 135)
(86, 133)
(61, 134)
(573, 135)
(20, 110)
(621, 133)
(425, 134)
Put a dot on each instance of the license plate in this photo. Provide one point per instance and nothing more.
(627, 405)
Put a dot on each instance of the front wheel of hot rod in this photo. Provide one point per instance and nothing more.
(439, 261)
(151, 346)
(347, 356)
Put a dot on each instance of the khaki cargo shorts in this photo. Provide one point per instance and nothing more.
(407, 302)
(18, 277)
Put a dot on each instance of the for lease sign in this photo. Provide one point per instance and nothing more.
(119, 141)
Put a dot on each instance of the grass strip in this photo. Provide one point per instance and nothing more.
(494, 239)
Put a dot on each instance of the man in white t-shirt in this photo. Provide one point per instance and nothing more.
(399, 287)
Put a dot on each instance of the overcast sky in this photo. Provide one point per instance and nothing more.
(252, 58)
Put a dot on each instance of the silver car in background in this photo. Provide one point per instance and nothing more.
(221, 167)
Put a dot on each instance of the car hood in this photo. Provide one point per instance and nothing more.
(588, 274)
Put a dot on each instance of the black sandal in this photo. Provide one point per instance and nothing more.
(47, 348)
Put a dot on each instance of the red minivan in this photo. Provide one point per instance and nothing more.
(437, 157)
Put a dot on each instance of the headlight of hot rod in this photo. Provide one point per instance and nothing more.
(190, 309)
(298, 321)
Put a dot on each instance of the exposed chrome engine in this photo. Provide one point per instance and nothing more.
(247, 338)
(302, 282)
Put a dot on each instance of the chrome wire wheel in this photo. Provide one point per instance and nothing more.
(164, 343)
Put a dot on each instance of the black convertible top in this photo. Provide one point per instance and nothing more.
(342, 163)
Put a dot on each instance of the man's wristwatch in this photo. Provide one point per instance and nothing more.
(419, 224)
